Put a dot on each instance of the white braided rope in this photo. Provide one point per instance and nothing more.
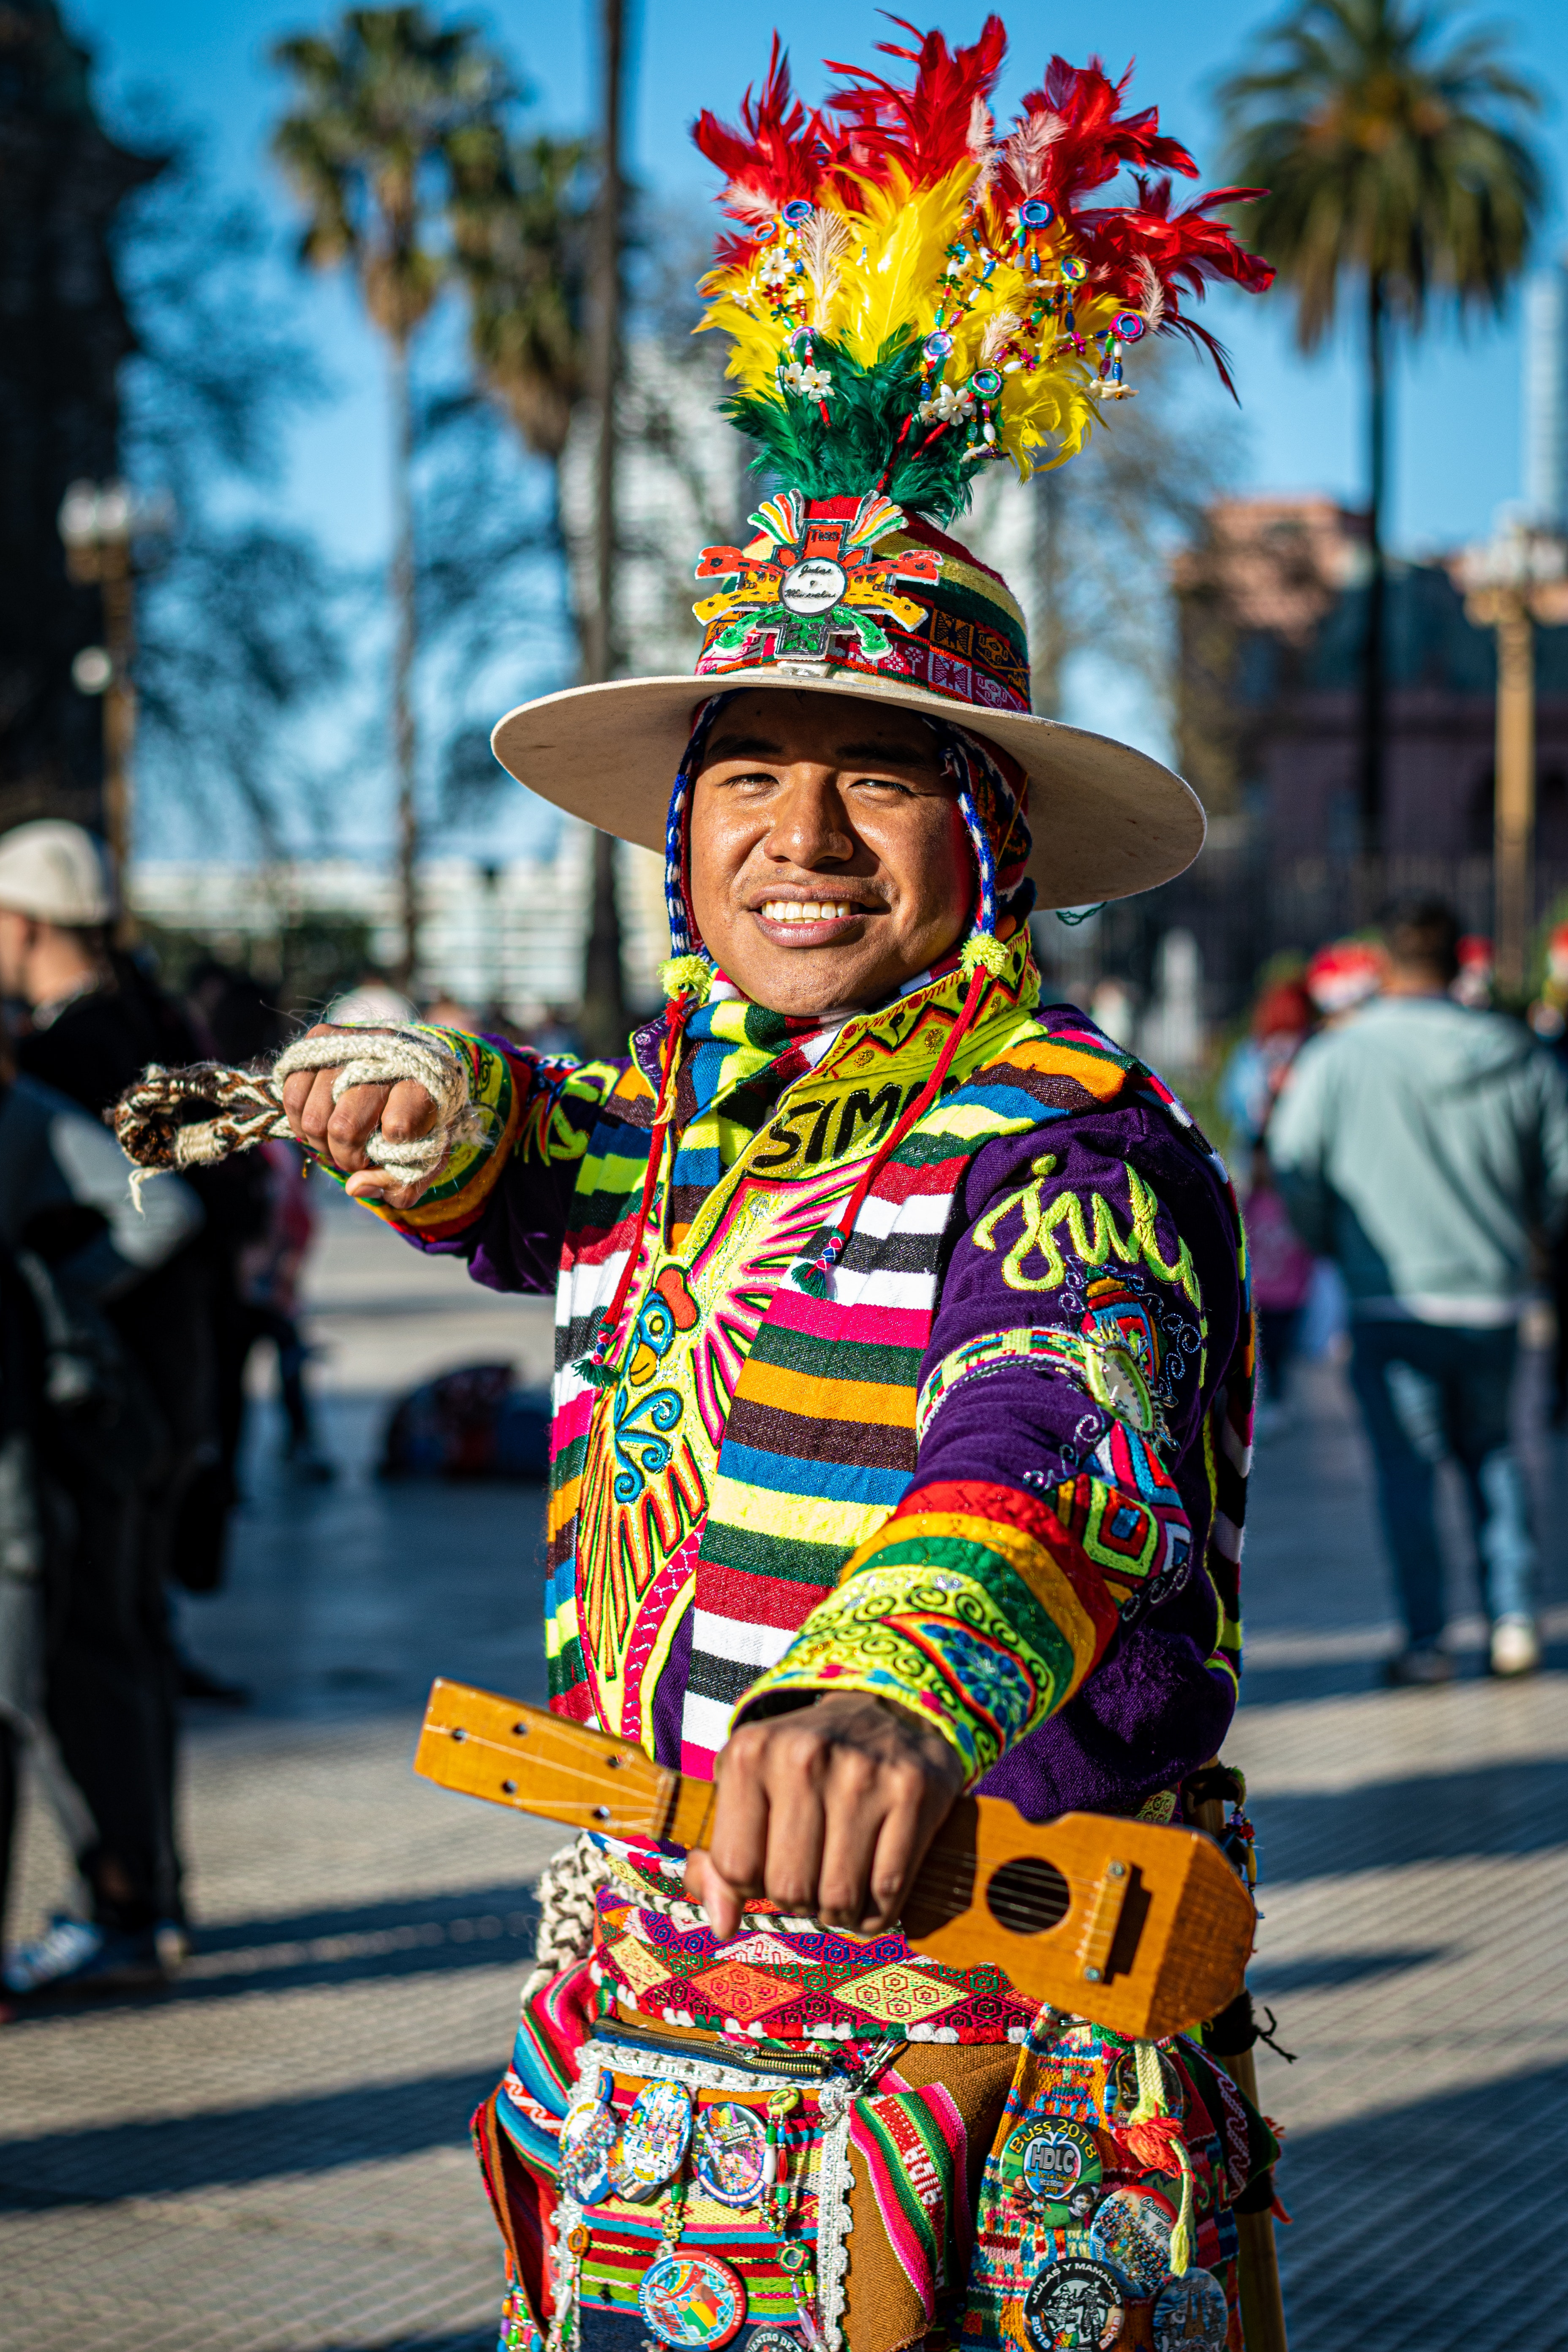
(376, 1057)
(566, 1890)
(382, 1058)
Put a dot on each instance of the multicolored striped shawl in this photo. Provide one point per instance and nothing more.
(747, 1507)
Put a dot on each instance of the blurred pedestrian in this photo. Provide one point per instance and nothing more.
(1282, 1020)
(81, 1636)
(270, 1271)
(1549, 1020)
(1282, 1269)
(94, 1020)
(1425, 1146)
(1477, 966)
(24, 1537)
(256, 1294)
(1342, 976)
(371, 1003)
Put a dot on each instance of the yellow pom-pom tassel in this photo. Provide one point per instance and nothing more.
(686, 975)
(983, 950)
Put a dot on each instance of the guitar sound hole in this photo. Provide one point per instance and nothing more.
(1028, 1895)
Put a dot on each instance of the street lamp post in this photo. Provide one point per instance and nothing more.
(1518, 578)
(101, 524)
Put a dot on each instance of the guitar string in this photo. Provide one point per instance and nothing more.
(936, 1877)
(936, 1872)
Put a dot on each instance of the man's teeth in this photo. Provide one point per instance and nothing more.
(805, 910)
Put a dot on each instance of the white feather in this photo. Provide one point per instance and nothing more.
(823, 242)
(1028, 147)
(998, 329)
(982, 145)
(1152, 305)
(754, 203)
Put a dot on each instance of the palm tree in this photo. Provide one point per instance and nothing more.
(392, 105)
(542, 258)
(519, 225)
(1392, 160)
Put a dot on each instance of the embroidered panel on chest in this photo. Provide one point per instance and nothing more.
(653, 1437)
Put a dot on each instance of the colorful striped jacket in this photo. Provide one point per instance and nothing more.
(998, 1473)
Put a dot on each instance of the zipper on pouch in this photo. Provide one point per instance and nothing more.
(718, 2054)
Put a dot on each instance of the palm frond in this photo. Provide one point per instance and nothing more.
(1387, 156)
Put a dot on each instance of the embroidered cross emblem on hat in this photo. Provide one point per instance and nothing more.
(811, 576)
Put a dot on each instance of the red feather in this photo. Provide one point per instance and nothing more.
(872, 125)
(924, 129)
(1186, 251)
(779, 151)
(1092, 140)
(735, 252)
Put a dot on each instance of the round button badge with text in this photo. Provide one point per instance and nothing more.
(1075, 2306)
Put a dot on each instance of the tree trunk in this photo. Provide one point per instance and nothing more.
(403, 642)
(604, 1015)
(1374, 648)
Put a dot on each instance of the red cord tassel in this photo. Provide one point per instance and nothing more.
(676, 1014)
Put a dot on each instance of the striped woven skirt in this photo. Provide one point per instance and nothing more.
(799, 2142)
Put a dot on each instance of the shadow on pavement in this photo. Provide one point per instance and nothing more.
(229, 2146)
(475, 1928)
(1274, 1980)
(479, 2339)
(1293, 1684)
(1519, 1807)
(1417, 2169)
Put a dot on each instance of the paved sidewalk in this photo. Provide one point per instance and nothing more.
(271, 2158)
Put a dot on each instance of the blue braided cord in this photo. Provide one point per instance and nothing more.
(958, 761)
(682, 939)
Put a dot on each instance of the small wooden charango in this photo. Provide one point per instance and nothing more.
(1143, 1929)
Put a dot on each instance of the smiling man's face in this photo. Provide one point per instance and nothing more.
(830, 862)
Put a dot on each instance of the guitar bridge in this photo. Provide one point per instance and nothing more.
(1115, 1924)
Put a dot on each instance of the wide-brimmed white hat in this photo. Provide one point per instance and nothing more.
(1106, 820)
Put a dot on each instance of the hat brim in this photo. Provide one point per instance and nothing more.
(1106, 820)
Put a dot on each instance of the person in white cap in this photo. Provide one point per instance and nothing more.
(57, 901)
(75, 1648)
(94, 1020)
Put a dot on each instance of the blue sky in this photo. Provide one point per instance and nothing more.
(1457, 450)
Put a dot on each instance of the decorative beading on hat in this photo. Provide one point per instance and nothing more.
(912, 294)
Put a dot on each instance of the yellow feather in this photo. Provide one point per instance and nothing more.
(892, 275)
(878, 265)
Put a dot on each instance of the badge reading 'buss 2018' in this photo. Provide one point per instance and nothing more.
(1054, 2166)
(692, 2300)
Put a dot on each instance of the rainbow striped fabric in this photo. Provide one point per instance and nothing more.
(746, 1508)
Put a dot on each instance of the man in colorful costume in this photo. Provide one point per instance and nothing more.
(904, 1360)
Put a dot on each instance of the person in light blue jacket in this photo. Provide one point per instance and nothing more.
(1424, 1146)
